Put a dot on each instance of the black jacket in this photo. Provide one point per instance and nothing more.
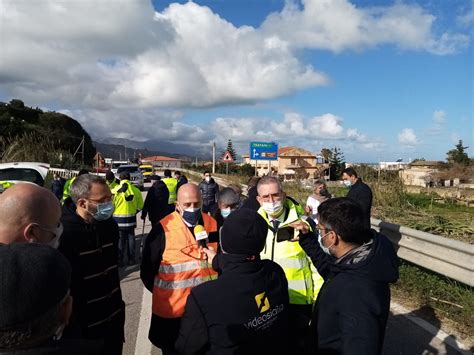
(182, 180)
(362, 194)
(156, 202)
(209, 191)
(229, 316)
(163, 331)
(251, 201)
(92, 250)
(353, 304)
(61, 347)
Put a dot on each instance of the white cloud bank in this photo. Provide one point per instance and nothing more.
(124, 54)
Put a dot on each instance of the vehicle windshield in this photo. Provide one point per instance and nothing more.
(130, 169)
(21, 174)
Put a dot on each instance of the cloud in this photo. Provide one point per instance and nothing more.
(467, 19)
(123, 54)
(339, 25)
(439, 117)
(407, 138)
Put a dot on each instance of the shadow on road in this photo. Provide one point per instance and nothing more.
(403, 337)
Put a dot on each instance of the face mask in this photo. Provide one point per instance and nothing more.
(273, 208)
(104, 211)
(58, 231)
(191, 215)
(320, 241)
(226, 212)
(207, 178)
(324, 192)
(348, 183)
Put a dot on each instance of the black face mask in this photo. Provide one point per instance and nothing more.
(192, 217)
(324, 192)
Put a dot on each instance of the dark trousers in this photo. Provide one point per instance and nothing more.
(127, 243)
(209, 208)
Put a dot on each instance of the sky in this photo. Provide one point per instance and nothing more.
(381, 80)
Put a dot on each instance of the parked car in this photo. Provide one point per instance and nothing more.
(136, 177)
(147, 171)
(115, 165)
(13, 173)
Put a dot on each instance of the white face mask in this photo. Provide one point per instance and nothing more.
(348, 183)
(273, 208)
(207, 178)
(58, 231)
(324, 249)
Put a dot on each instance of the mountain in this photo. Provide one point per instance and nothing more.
(118, 146)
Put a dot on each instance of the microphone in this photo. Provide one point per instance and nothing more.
(201, 235)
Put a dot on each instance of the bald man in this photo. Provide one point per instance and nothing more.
(29, 213)
(173, 263)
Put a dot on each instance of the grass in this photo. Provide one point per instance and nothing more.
(423, 289)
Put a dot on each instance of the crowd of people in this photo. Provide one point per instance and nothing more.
(227, 275)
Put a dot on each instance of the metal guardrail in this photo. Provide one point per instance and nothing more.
(444, 256)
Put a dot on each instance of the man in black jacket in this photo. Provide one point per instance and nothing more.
(359, 192)
(246, 309)
(357, 265)
(182, 179)
(156, 201)
(90, 243)
(209, 190)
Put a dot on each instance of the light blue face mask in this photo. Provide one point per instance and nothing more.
(347, 183)
(226, 212)
(104, 211)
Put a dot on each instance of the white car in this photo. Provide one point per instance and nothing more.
(136, 177)
(24, 172)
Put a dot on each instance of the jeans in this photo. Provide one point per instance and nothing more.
(127, 242)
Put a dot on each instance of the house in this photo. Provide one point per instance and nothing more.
(292, 163)
(162, 162)
(420, 173)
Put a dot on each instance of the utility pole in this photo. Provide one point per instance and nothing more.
(83, 138)
(213, 158)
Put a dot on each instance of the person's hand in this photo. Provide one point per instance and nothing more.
(210, 253)
(308, 210)
(302, 227)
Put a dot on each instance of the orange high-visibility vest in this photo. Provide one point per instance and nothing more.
(182, 267)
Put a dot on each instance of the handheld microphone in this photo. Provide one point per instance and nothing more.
(201, 235)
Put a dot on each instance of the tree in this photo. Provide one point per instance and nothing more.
(458, 155)
(336, 163)
(418, 159)
(326, 153)
(230, 149)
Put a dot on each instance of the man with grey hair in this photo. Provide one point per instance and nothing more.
(30, 213)
(90, 243)
(228, 200)
(283, 216)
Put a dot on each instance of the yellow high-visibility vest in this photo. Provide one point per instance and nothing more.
(171, 184)
(304, 282)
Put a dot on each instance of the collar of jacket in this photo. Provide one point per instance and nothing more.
(240, 263)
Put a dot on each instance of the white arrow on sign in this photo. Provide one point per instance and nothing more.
(255, 154)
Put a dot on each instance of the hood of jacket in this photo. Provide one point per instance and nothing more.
(380, 264)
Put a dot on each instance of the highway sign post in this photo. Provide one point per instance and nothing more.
(263, 151)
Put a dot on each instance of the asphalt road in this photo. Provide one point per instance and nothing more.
(406, 334)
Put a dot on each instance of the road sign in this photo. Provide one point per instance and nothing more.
(227, 157)
(263, 151)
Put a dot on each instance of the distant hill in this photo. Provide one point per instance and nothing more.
(153, 147)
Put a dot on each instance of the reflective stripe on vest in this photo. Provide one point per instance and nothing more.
(304, 282)
(179, 272)
(171, 184)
